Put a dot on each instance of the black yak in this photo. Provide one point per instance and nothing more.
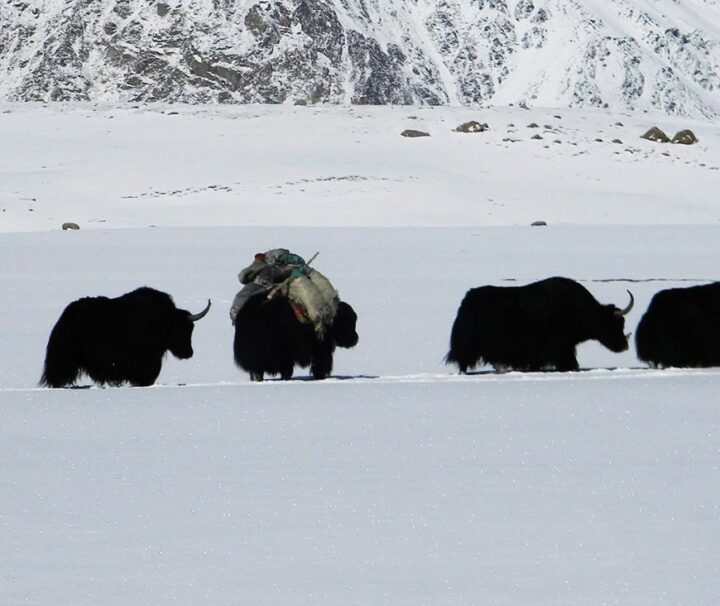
(270, 339)
(681, 327)
(119, 340)
(534, 327)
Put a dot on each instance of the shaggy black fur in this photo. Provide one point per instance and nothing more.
(681, 328)
(531, 328)
(118, 340)
(270, 340)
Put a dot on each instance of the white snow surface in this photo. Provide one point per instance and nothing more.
(395, 481)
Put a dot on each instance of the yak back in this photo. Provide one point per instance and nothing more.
(145, 318)
(548, 303)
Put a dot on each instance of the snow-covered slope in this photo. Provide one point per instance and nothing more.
(129, 166)
(620, 54)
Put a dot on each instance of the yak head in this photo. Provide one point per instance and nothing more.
(611, 326)
(181, 329)
(344, 333)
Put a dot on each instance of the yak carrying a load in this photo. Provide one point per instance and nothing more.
(288, 314)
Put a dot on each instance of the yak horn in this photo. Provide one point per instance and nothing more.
(623, 312)
(201, 315)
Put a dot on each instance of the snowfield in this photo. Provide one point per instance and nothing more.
(396, 481)
(175, 165)
(597, 490)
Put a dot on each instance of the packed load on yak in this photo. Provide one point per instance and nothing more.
(278, 272)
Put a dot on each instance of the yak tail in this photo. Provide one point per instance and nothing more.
(458, 345)
(61, 356)
(466, 337)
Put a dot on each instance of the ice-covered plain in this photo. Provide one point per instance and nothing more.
(396, 481)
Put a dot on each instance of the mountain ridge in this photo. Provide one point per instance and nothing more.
(622, 55)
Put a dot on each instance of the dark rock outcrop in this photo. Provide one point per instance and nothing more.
(353, 51)
(655, 134)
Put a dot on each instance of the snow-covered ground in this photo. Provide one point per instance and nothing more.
(114, 166)
(396, 481)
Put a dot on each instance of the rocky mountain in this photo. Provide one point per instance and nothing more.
(622, 54)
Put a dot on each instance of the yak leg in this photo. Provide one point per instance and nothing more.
(147, 374)
(257, 376)
(322, 363)
(286, 372)
(567, 362)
